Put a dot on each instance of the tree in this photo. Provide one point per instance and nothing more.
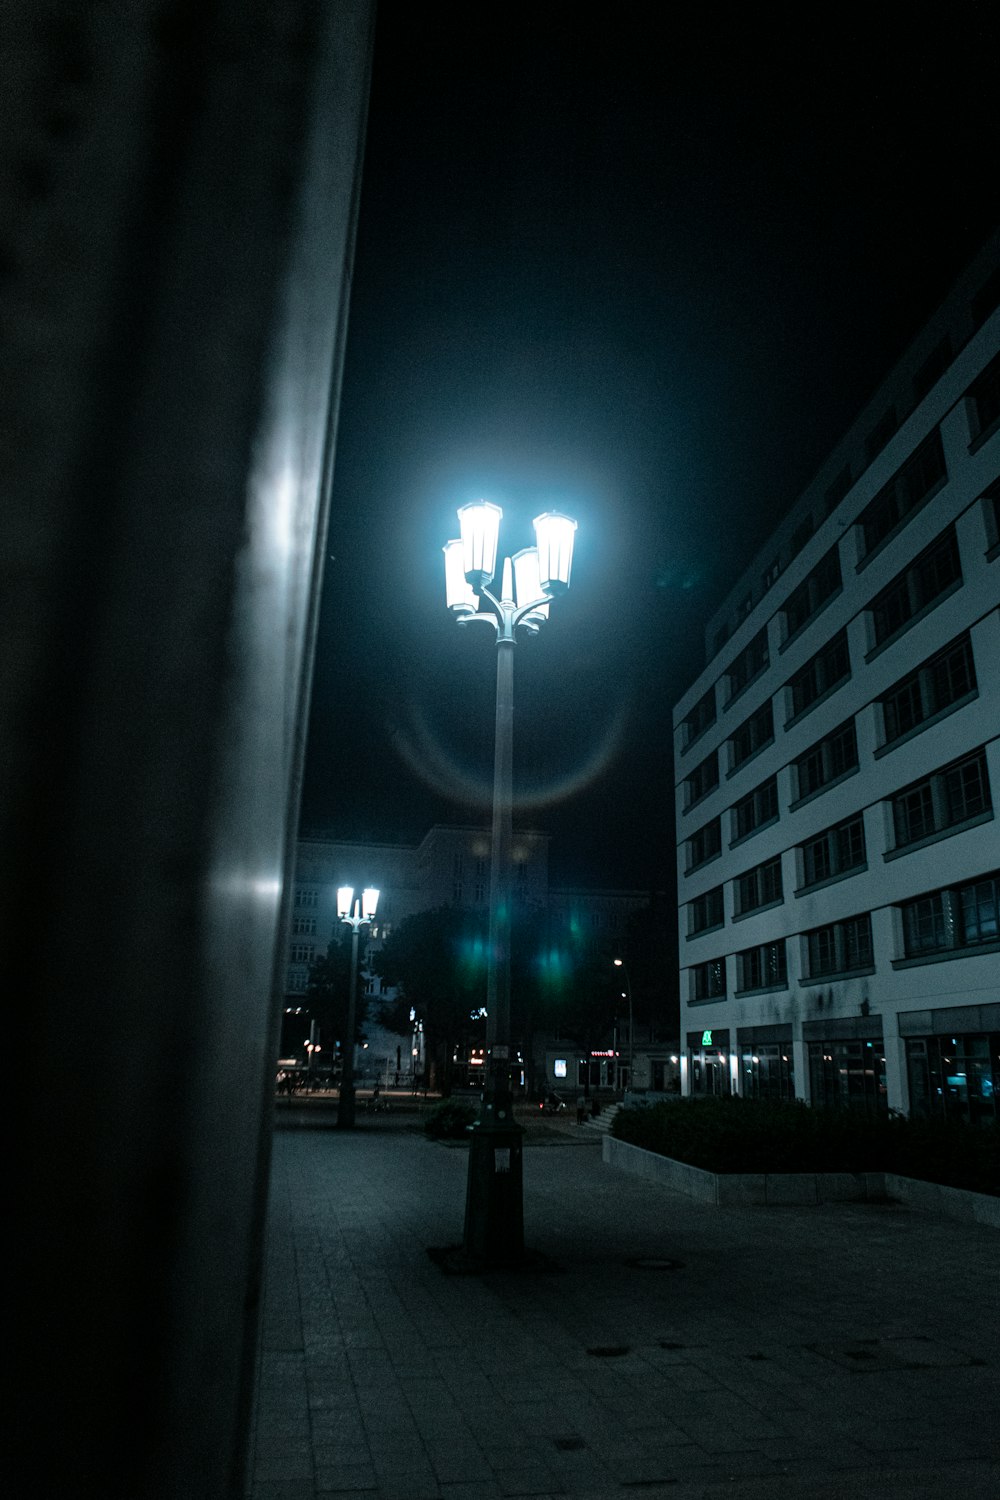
(437, 961)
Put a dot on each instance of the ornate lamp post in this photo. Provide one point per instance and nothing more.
(620, 963)
(530, 580)
(356, 911)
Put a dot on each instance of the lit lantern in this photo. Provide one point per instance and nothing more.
(461, 596)
(345, 900)
(480, 525)
(554, 536)
(369, 901)
(528, 586)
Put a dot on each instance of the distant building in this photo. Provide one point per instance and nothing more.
(838, 762)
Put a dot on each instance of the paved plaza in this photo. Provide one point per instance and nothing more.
(676, 1349)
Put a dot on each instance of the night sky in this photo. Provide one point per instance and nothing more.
(644, 267)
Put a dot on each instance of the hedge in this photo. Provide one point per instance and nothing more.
(751, 1135)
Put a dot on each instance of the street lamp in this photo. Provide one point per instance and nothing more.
(356, 911)
(530, 580)
(620, 963)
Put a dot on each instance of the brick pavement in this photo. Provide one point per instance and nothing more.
(681, 1350)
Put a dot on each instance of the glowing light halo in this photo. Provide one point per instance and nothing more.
(424, 754)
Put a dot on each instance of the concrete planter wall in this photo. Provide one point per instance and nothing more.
(751, 1189)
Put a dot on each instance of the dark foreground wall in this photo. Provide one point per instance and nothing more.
(178, 186)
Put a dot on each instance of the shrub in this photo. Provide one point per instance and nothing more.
(450, 1120)
(751, 1135)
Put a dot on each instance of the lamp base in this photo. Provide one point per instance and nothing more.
(494, 1202)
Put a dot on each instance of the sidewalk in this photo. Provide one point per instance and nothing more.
(681, 1351)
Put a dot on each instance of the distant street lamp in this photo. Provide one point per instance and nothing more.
(620, 963)
(530, 580)
(356, 912)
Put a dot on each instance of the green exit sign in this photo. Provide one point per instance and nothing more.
(706, 1039)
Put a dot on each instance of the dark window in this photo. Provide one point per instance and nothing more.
(744, 607)
(751, 660)
(703, 779)
(701, 717)
(801, 535)
(709, 981)
(922, 474)
(835, 851)
(756, 809)
(759, 886)
(984, 395)
(720, 638)
(836, 491)
(828, 759)
(753, 734)
(926, 578)
(813, 592)
(770, 575)
(706, 911)
(958, 917)
(840, 947)
(761, 968)
(943, 800)
(881, 433)
(705, 844)
(932, 368)
(942, 682)
(821, 673)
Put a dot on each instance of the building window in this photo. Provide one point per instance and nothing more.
(944, 800)
(708, 980)
(960, 917)
(943, 682)
(304, 926)
(984, 399)
(704, 844)
(762, 968)
(801, 535)
(706, 911)
(840, 947)
(480, 892)
(932, 368)
(880, 434)
(456, 893)
(701, 717)
(756, 809)
(920, 477)
(306, 898)
(296, 980)
(813, 592)
(719, 639)
(821, 674)
(456, 864)
(926, 578)
(758, 887)
(302, 953)
(836, 491)
(835, 851)
(753, 734)
(751, 660)
(703, 779)
(771, 574)
(827, 760)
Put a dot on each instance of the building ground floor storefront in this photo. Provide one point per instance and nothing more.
(938, 1063)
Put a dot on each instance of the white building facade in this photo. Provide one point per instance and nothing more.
(837, 764)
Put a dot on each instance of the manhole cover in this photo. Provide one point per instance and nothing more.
(654, 1263)
(609, 1351)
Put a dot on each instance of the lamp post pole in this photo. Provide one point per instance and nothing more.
(494, 1205)
(355, 912)
(620, 963)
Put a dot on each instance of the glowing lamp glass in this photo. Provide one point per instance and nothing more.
(480, 524)
(369, 901)
(345, 900)
(461, 597)
(554, 535)
(528, 586)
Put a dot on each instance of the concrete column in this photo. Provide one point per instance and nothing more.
(179, 198)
